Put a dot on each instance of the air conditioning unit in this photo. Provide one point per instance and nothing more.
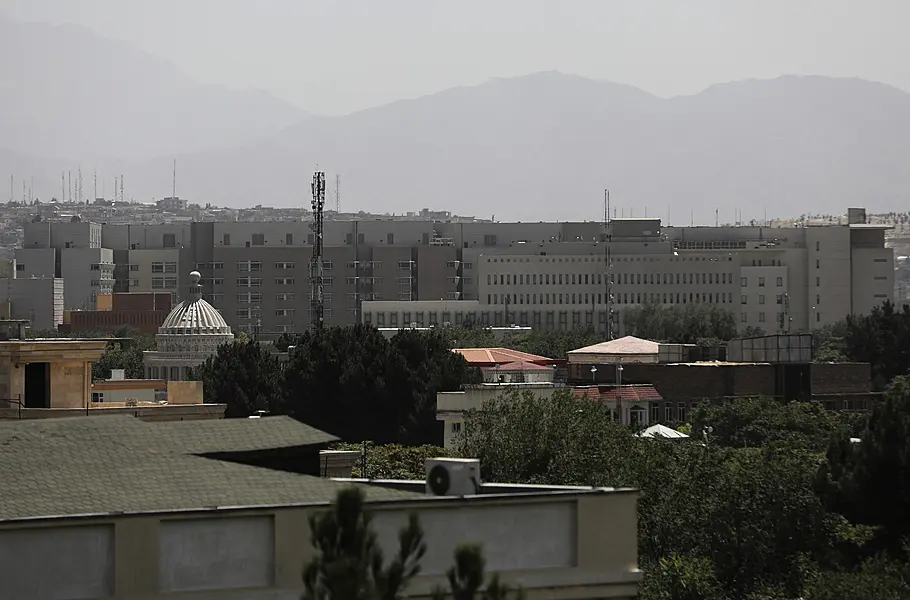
(453, 476)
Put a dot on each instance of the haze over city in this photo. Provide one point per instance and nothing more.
(522, 110)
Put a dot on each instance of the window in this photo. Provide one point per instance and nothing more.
(284, 312)
(655, 413)
(761, 282)
(780, 282)
(743, 282)
(761, 317)
(226, 239)
(97, 396)
(284, 281)
(779, 298)
(744, 299)
(287, 296)
(258, 239)
(289, 239)
(817, 246)
(818, 263)
(243, 313)
(288, 265)
(681, 412)
(169, 241)
(761, 298)
(157, 267)
(743, 317)
(456, 427)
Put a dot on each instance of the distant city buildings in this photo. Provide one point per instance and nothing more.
(430, 268)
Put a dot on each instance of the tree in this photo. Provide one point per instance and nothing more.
(466, 578)
(392, 461)
(123, 355)
(553, 344)
(869, 482)
(881, 338)
(751, 512)
(244, 376)
(761, 422)
(680, 323)
(349, 564)
(358, 385)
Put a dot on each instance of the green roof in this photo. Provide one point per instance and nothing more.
(120, 464)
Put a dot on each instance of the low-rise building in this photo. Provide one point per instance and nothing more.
(117, 508)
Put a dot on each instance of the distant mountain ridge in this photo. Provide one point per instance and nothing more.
(68, 93)
(538, 147)
(545, 146)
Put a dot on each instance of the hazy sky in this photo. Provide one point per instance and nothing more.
(335, 56)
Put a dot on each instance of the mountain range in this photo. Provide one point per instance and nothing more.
(538, 147)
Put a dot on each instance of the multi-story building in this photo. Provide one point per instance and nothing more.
(775, 279)
(552, 275)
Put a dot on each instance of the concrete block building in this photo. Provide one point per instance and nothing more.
(544, 275)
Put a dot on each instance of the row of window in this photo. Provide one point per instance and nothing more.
(164, 283)
(490, 318)
(256, 297)
(616, 278)
(618, 298)
(159, 267)
(744, 282)
(252, 313)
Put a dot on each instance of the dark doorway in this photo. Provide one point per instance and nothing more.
(38, 385)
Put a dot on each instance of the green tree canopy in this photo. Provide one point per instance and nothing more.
(680, 323)
(869, 482)
(243, 375)
(354, 383)
(751, 513)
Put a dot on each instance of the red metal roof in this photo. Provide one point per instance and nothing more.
(624, 393)
(489, 357)
(522, 365)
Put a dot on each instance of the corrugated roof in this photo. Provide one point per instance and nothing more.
(522, 365)
(500, 356)
(113, 464)
(623, 393)
(623, 346)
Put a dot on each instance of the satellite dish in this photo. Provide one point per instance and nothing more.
(439, 481)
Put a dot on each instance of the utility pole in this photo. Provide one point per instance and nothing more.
(317, 305)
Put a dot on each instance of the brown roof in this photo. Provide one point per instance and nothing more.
(522, 365)
(479, 357)
(628, 345)
(623, 393)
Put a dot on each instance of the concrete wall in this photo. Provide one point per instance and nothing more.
(38, 300)
(184, 392)
(556, 545)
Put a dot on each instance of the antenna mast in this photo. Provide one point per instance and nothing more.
(337, 194)
(121, 188)
(69, 180)
(317, 308)
(12, 183)
(608, 266)
(79, 192)
(174, 181)
(95, 184)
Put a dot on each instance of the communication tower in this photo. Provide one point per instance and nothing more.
(316, 295)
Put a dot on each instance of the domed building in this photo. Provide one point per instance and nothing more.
(190, 334)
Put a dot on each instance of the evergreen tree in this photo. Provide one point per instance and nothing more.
(466, 578)
(244, 376)
(349, 564)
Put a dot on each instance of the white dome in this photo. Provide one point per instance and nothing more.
(194, 316)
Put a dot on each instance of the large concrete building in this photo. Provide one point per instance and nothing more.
(534, 274)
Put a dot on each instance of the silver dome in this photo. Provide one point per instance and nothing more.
(194, 316)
